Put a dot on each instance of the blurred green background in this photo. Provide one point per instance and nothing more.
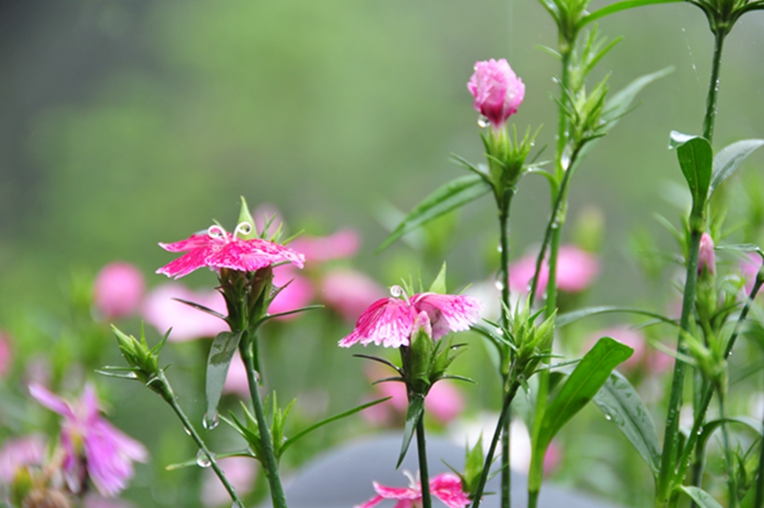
(125, 123)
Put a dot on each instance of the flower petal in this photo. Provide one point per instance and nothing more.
(51, 401)
(448, 488)
(448, 312)
(387, 321)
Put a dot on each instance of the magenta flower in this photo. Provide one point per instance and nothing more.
(92, 446)
(118, 290)
(392, 321)
(497, 90)
(447, 487)
(162, 310)
(341, 244)
(19, 453)
(216, 249)
(706, 257)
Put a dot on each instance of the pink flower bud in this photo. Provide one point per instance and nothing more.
(5, 353)
(118, 290)
(497, 90)
(706, 257)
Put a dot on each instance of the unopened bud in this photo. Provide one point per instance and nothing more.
(706, 257)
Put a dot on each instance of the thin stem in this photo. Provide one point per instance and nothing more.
(731, 480)
(671, 435)
(268, 460)
(423, 471)
(506, 475)
(503, 416)
(713, 87)
(760, 480)
(533, 499)
(169, 397)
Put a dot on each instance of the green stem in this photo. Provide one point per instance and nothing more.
(423, 471)
(713, 87)
(169, 396)
(533, 499)
(760, 480)
(671, 436)
(268, 460)
(506, 475)
(731, 479)
(503, 417)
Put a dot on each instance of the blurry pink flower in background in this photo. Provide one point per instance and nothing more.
(749, 268)
(576, 270)
(497, 90)
(447, 487)
(118, 290)
(6, 355)
(19, 453)
(162, 311)
(391, 321)
(267, 213)
(216, 249)
(92, 446)
(342, 244)
(349, 292)
(241, 473)
(552, 458)
(644, 356)
(706, 256)
(296, 295)
(96, 501)
(236, 380)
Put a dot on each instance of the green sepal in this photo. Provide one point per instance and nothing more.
(439, 284)
(414, 412)
(700, 496)
(246, 216)
(448, 197)
(622, 405)
(218, 361)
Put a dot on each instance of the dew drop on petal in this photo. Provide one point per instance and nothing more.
(210, 423)
(483, 121)
(202, 460)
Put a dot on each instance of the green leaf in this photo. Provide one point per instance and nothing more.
(711, 426)
(696, 160)
(730, 158)
(581, 386)
(701, 497)
(221, 352)
(619, 103)
(448, 197)
(621, 404)
(570, 317)
(618, 7)
(289, 442)
(413, 414)
(202, 308)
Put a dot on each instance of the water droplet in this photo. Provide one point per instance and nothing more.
(131, 375)
(483, 121)
(210, 423)
(608, 417)
(499, 248)
(188, 431)
(202, 460)
(499, 285)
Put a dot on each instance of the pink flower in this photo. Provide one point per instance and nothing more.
(216, 249)
(391, 321)
(163, 311)
(240, 472)
(92, 446)
(19, 453)
(349, 292)
(5, 353)
(447, 487)
(749, 268)
(648, 358)
(576, 270)
(118, 290)
(706, 257)
(341, 244)
(236, 380)
(497, 90)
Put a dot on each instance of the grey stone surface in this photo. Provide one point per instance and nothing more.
(342, 477)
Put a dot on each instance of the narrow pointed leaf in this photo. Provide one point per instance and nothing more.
(413, 414)
(621, 404)
(570, 317)
(201, 308)
(618, 7)
(289, 442)
(221, 352)
(581, 386)
(701, 497)
(448, 197)
(620, 102)
(710, 427)
(730, 158)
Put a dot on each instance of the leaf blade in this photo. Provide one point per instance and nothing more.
(218, 361)
(730, 158)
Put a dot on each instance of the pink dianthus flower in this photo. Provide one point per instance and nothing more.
(216, 249)
(576, 270)
(92, 446)
(497, 90)
(118, 290)
(447, 487)
(391, 321)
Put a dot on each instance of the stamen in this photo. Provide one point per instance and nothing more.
(243, 228)
(216, 232)
(413, 482)
(399, 292)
